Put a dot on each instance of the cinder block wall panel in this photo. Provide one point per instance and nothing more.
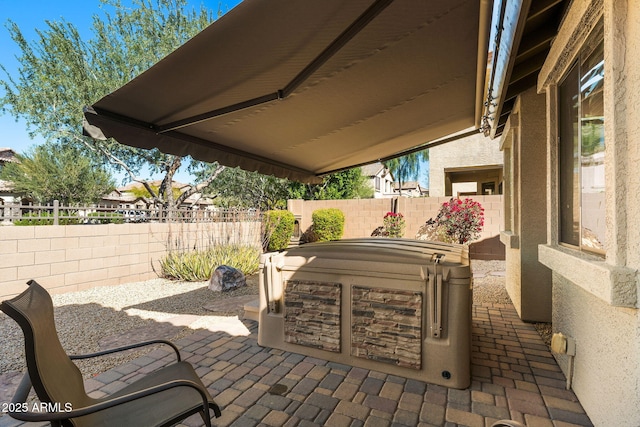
(76, 257)
(365, 215)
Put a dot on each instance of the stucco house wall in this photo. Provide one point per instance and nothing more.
(473, 151)
(595, 299)
(528, 282)
(379, 178)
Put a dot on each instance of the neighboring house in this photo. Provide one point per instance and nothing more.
(467, 166)
(380, 179)
(123, 200)
(410, 189)
(198, 201)
(7, 155)
(124, 197)
(7, 195)
(572, 232)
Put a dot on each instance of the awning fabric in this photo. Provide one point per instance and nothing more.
(298, 89)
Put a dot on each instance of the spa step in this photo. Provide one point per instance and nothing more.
(251, 310)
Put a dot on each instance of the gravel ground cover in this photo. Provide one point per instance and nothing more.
(488, 282)
(95, 319)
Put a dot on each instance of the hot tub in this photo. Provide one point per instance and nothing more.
(399, 306)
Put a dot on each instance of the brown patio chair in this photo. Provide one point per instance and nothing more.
(162, 398)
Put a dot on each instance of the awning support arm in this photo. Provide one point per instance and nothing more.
(358, 25)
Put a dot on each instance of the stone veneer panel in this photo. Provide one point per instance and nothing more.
(387, 326)
(312, 314)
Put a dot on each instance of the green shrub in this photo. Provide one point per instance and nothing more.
(105, 218)
(197, 266)
(43, 218)
(33, 218)
(394, 223)
(458, 221)
(278, 229)
(328, 224)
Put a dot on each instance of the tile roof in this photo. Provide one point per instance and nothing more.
(7, 155)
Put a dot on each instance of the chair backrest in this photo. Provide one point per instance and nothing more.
(54, 376)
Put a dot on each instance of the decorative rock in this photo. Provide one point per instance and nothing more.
(427, 231)
(380, 232)
(226, 278)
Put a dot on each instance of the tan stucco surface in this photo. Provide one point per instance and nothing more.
(605, 375)
(595, 299)
(528, 282)
(475, 150)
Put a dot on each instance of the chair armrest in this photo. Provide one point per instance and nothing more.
(22, 392)
(128, 347)
(78, 412)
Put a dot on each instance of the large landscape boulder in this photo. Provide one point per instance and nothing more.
(226, 278)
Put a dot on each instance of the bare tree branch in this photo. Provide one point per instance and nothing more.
(200, 186)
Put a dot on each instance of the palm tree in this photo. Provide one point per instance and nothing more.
(407, 167)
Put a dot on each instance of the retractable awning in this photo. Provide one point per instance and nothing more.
(299, 89)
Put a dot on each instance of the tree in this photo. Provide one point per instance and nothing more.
(144, 193)
(348, 184)
(60, 73)
(236, 187)
(407, 167)
(53, 172)
(239, 188)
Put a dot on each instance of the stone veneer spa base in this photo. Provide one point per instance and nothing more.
(387, 326)
(312, 314)
(398, 306)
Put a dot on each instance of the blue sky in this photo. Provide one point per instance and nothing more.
(30, 15)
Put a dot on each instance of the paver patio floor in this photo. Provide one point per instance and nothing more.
(514, 377)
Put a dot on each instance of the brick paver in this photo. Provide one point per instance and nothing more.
(513, 376)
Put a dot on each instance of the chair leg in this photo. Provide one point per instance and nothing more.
(207, 421)
(216, 409)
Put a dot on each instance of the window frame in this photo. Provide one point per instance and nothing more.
(575, 72)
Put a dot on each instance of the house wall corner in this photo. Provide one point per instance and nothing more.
(528, 282)
(594, 298)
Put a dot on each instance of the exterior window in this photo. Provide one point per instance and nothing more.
(582, 149)
(377, 183)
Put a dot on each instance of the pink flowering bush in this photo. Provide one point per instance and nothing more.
(458, 221)
(393, 224)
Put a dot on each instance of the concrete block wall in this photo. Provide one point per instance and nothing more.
(362, 216)
(77, 257)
